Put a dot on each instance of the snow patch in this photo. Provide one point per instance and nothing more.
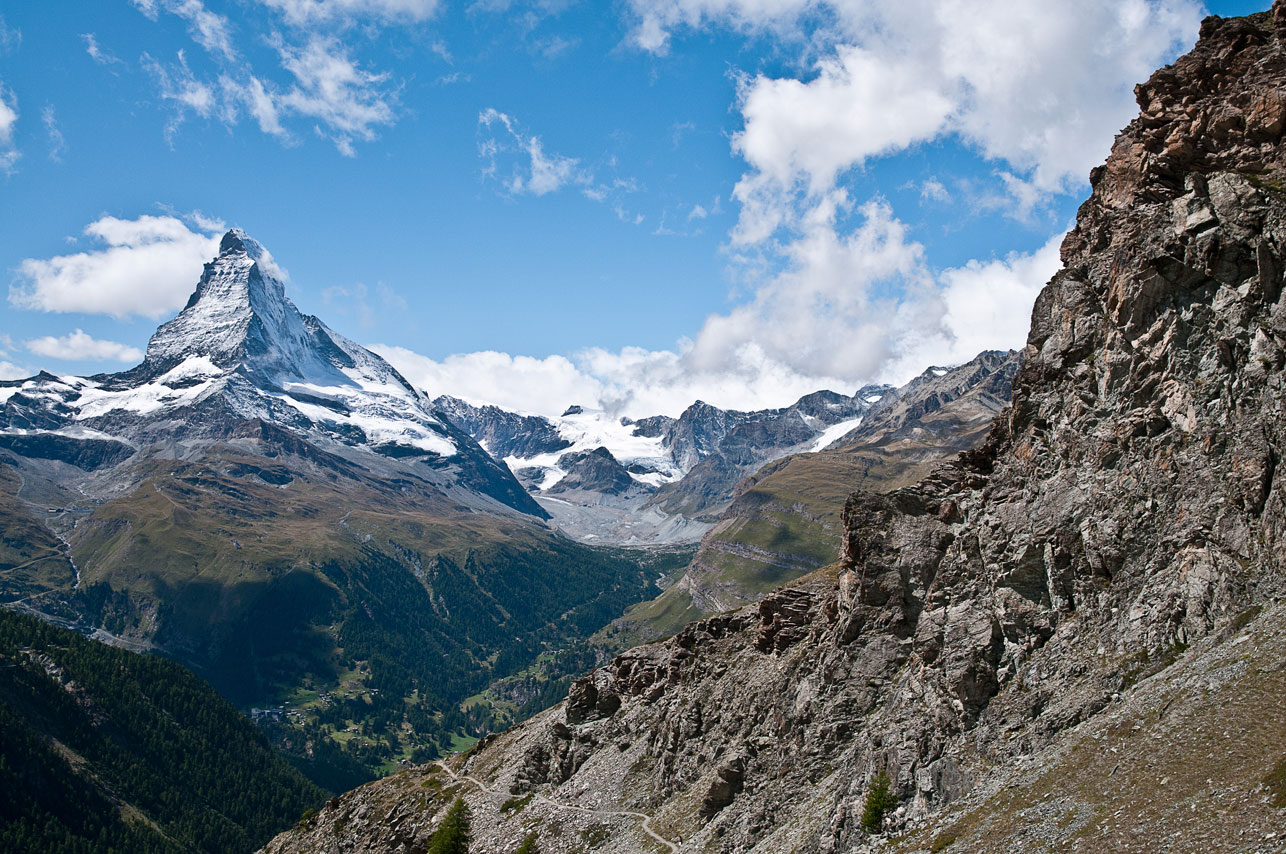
(192, 366)
(142, 400)
(833, 433)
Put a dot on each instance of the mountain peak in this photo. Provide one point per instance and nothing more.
(237, 240)
(238, 314)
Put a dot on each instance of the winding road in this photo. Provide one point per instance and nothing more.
(647, 820)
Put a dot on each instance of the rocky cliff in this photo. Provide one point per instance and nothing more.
(1071, 638)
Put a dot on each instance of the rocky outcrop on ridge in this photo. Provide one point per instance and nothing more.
(1068, 639)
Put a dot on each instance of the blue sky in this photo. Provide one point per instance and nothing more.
(634, 204)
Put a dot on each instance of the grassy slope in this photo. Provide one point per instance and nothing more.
(31, 557)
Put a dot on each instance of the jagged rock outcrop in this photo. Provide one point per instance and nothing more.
(593, 471)
(1072, 635)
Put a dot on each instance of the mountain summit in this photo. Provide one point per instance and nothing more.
(240, 354)
(239, 318)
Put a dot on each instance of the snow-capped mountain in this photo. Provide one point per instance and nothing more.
(603, 477)
(662, 478)
(241, 353)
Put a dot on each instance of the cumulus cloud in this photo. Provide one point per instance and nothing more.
(852, 310)
(1010, 79)
(840, 293)
(632, 382)
(79, 346)
(520, 383)
(146, 266)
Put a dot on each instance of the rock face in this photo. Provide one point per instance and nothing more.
(1072, 635)
(501, 432)
(593, 471)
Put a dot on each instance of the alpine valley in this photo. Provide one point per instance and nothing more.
(379, 577)
(1031, 602)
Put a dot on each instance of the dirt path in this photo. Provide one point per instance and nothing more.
(647, 821)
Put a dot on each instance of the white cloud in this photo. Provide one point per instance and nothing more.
(207, 224)
(331, 88)
(209, 29)
(852, 310)
(326, 86)
(933, 190)
(799, 137)
(257, 101)
(825, 313)
(177, 83)
(9, 153)
(301, 12)
(345, 102)
(657, 19)
(79, 346)
(147, 266)
(521, 383)
(1035, 89)
(987, 304)
(541, 173)
(1041, 85)
(96, 52)
(57, 145)
(8, 369)
(10, 38)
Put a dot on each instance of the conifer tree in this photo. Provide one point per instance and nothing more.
(879, 800)
(452, 836)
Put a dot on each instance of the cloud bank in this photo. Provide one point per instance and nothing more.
(824, 323)
(145, 267)
(79, 346)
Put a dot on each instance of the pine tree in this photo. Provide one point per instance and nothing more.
(452, 836)
(879, 800)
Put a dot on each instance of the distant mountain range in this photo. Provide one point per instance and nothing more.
(660, 479)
